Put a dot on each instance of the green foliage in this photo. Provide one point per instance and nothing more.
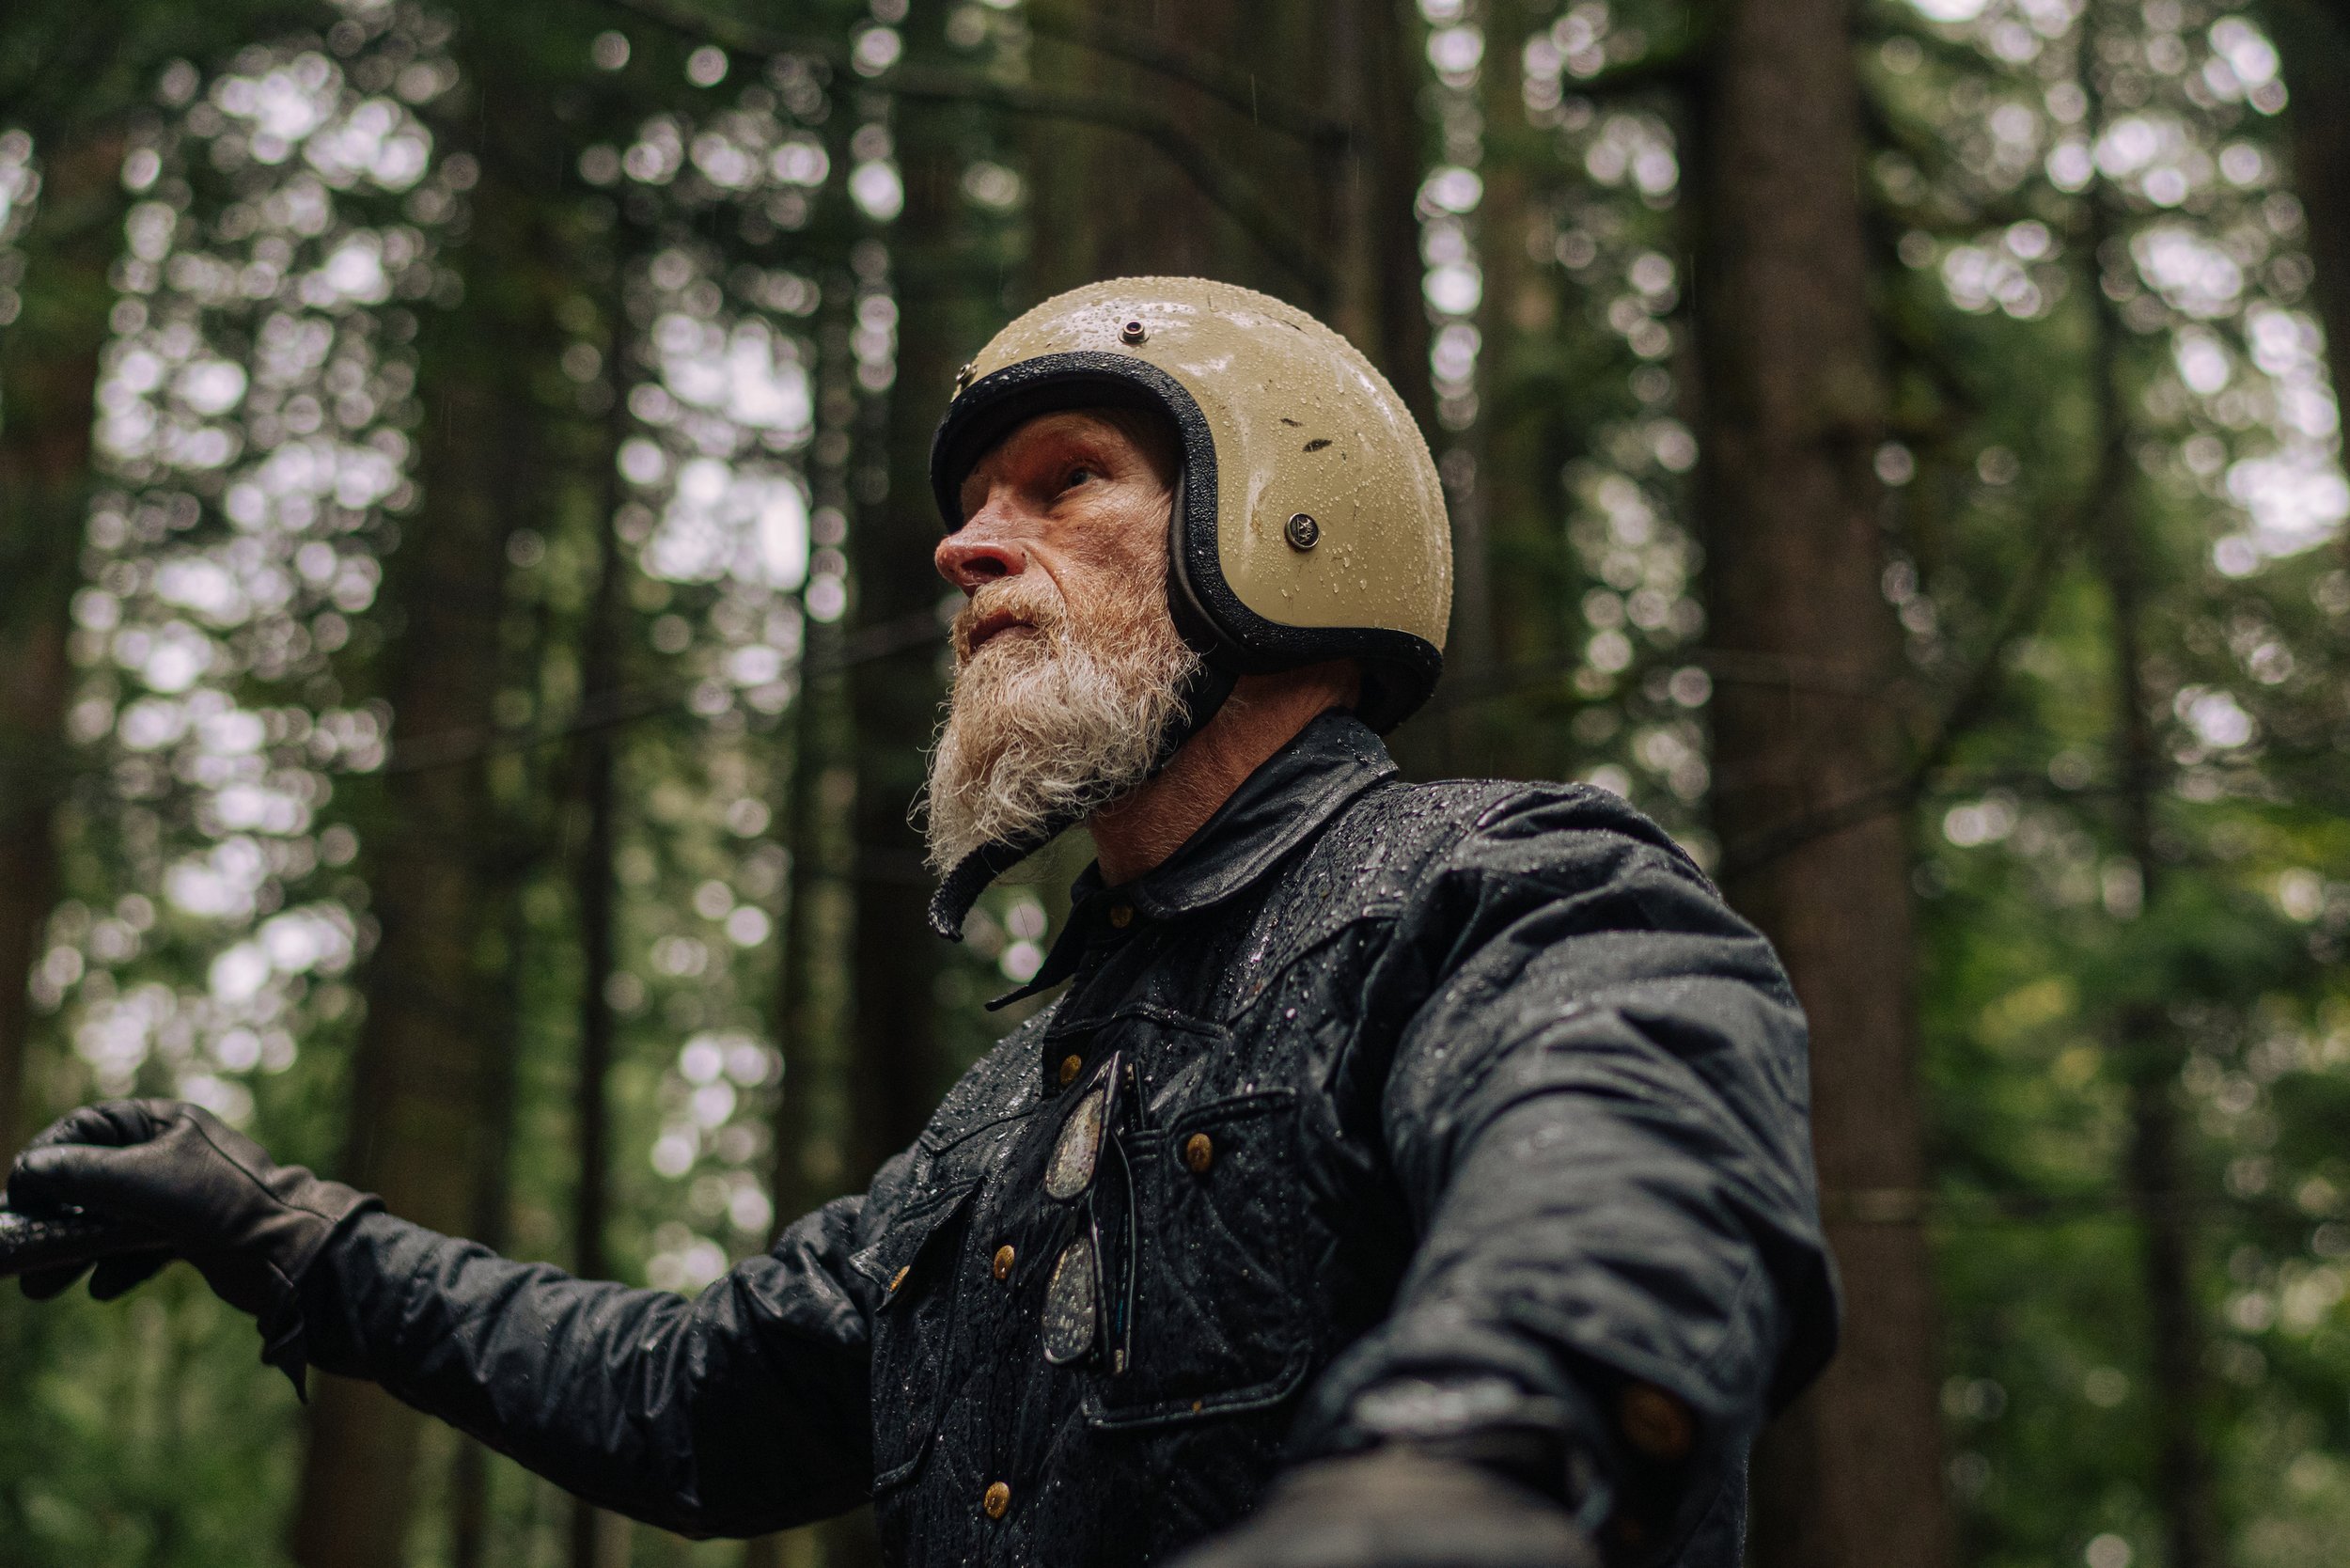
(714, 231)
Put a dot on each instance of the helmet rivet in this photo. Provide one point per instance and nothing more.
(1133, 331)
(963, 377)
(1302, 532)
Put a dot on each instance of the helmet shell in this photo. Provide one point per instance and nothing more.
(1309, 523)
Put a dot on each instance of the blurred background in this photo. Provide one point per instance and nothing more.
(468, 638)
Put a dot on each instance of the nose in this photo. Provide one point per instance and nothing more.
(976, 555)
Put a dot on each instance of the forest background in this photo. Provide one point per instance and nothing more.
(467, 641)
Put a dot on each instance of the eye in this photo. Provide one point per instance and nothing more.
(1077, 475)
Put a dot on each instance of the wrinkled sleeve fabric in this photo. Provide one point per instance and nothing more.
(742, 1410)
(1597, 1114)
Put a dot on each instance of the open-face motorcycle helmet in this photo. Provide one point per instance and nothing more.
(1308, 522)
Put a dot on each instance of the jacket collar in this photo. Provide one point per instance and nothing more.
(1288, 799)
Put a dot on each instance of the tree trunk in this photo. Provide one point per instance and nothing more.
(593, 1530)
(2150, 1054)
(1110, 205)
(419, 1091)
(1304, 106)
(796, 1185)
(896, 1069)
(808, 1011)
(1486, 465)
(1791, 408)
(814, 818)
(469, 1471)
(2313, 42)
(2183, 1478)
(811, 1009)
(2144, 1043)
(1501, 259)
(48, 376)
(1375, 70)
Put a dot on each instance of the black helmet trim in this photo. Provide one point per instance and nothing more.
(1400, 669)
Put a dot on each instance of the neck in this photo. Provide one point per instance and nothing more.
(1137, 832)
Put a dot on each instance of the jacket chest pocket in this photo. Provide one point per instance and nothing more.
(913, 1264)
(1221, 1320)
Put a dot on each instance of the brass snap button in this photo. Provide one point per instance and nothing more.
(1003, 1262)
(1121, 916)
(1654, 1423)
(1071, 1065)
(1302, 532)
(997, 1502)
(898, 1278)
(1199, 1154)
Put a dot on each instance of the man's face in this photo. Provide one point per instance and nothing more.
(1068, 667)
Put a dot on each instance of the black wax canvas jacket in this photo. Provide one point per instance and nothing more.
(1425, 1110)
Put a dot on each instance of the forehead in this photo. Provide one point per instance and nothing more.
(1130, 442)
(1048, 434)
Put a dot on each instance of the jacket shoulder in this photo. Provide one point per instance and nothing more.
(1417, 860)
(1413, 832)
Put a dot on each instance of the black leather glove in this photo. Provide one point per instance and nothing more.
(1399, 1506)
(212, 1196)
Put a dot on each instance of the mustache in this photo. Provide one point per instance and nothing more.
(1026, 600)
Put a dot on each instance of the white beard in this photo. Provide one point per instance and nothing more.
(1052, 724)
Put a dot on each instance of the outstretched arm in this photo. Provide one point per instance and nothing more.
(740, 1411)
(743, 1411)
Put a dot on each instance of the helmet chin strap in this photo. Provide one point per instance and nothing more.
(1203, 696)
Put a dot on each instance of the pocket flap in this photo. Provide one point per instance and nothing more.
(892, 1258)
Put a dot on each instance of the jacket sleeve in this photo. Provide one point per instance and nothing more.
(1598, 1116)
(743, 1410)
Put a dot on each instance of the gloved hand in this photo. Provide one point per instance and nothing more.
(1399, 1506)
(214, 1196)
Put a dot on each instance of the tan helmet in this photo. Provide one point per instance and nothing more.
(1309, 521)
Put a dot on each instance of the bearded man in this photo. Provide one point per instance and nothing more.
(1407, 1175)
